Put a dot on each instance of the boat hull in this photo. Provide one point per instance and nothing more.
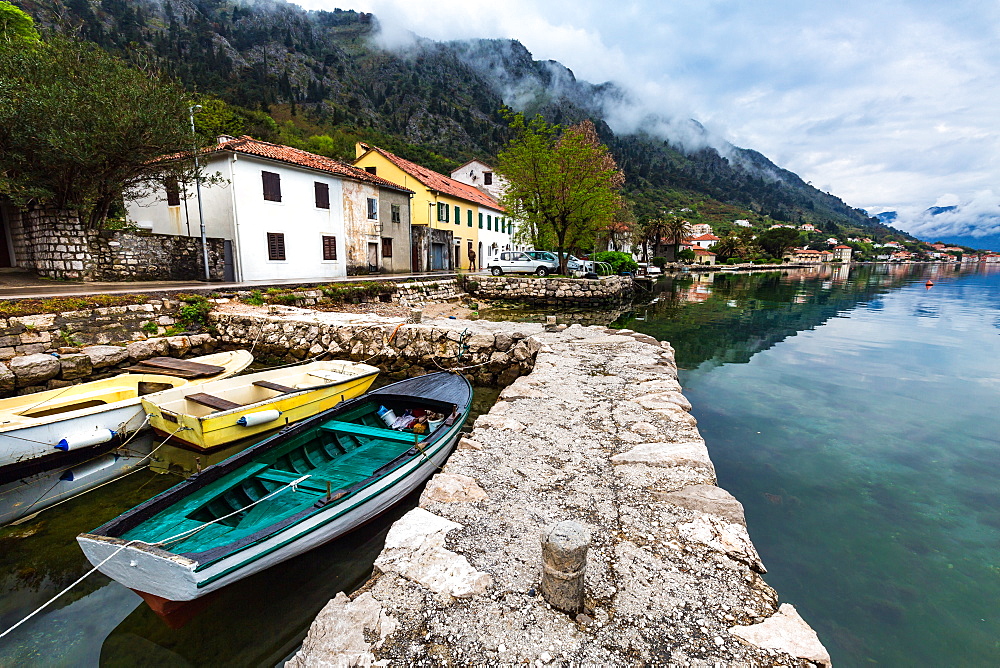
(32, 426)
(177, 578)
(215, 429)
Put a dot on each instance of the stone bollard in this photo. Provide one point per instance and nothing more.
(550, 323)
(416, 315)
(564, 561)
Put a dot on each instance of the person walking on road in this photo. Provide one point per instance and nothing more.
(472, 260)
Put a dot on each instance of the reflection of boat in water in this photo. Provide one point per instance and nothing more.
(35, 493)
(310, 483)
(260, 620)
(45, 430)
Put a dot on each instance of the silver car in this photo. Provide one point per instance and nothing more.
(520, 262)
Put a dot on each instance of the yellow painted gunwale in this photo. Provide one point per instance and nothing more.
(110, 393)
(219, 428)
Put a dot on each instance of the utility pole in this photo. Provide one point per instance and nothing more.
(197, 187)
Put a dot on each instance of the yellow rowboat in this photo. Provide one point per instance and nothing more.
(217, 413)
(48, 429)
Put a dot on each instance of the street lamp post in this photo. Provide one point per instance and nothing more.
(197, 187)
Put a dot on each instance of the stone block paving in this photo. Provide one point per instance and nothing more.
(598, 433)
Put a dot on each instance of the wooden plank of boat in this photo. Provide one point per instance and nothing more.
(218, 403)
(183, 365)
(277, 387)
(176, 373)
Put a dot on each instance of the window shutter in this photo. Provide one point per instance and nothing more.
(275, 246)
(173, 192)
(372, 208)
(272, 186)
(469, 212)
(329, 248)
(386, 247)
(396, 217)
(458, 216)
(322, 195)
(489, 222)
(480, 221)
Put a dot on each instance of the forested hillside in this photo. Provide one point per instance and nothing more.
(317, 80)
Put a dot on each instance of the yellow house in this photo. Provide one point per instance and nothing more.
(446, 215)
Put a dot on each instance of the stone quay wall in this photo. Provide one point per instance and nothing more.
(122, 256)
(486, 356)
(428, 291)
(55, 243)
(551, 291)
(598, 433)
(48, 332)
(27, 374)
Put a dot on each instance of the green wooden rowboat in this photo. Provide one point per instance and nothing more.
(311, 482)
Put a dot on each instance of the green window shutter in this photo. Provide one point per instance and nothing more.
(480, 221)
(470, 217)
(489, 222)
(458, 216)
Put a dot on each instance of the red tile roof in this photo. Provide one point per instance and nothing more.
(294, 156)
(705, 237)
(438, 182)
(842, 246)
(702, 251)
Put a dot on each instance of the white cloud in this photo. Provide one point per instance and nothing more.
(888, 105)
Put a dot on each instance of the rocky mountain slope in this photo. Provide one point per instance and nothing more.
(324, 80)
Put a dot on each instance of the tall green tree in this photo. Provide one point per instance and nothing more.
(79, 128)
(16, 26)
(777, 241)
(563, 185)
(676, 229)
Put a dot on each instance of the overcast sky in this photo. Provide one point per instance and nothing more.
(887, 104)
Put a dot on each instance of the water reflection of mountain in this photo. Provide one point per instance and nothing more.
(727, 318)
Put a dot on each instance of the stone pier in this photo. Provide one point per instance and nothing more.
(598, 433)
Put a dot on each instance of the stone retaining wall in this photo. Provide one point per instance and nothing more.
(551, 291)
(598, 433)
(48, 332)
(428, 291)
(27, 374)
(57, 244)
(486, 356)
(121, 256)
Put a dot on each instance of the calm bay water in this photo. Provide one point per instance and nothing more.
(854, 413)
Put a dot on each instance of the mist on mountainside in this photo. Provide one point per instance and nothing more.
(335, 75)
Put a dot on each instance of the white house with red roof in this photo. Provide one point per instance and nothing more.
(842, 253)
(287, 213)
(704, 240)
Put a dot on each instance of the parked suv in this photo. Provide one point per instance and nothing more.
(520, 262)
(573, 263)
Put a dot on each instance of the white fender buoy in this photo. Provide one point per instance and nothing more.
(89, 468)
(74, 441)
(260, 417)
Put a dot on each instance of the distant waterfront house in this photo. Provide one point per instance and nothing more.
(450, 218)
(699, 229)
(288, 213)
(842, 253)
(807, 227)
(703, 256)
(742, 223)
(704, 240)
(804, 255)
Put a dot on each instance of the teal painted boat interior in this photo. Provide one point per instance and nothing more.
(334, 453)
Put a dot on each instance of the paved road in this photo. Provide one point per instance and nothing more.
(22, 285)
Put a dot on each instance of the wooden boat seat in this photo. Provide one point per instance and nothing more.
(364, 430)
(218, 403)
(312, 484)
(277, 387)
(170, 366)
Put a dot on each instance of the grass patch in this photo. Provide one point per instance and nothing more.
(21, 307)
